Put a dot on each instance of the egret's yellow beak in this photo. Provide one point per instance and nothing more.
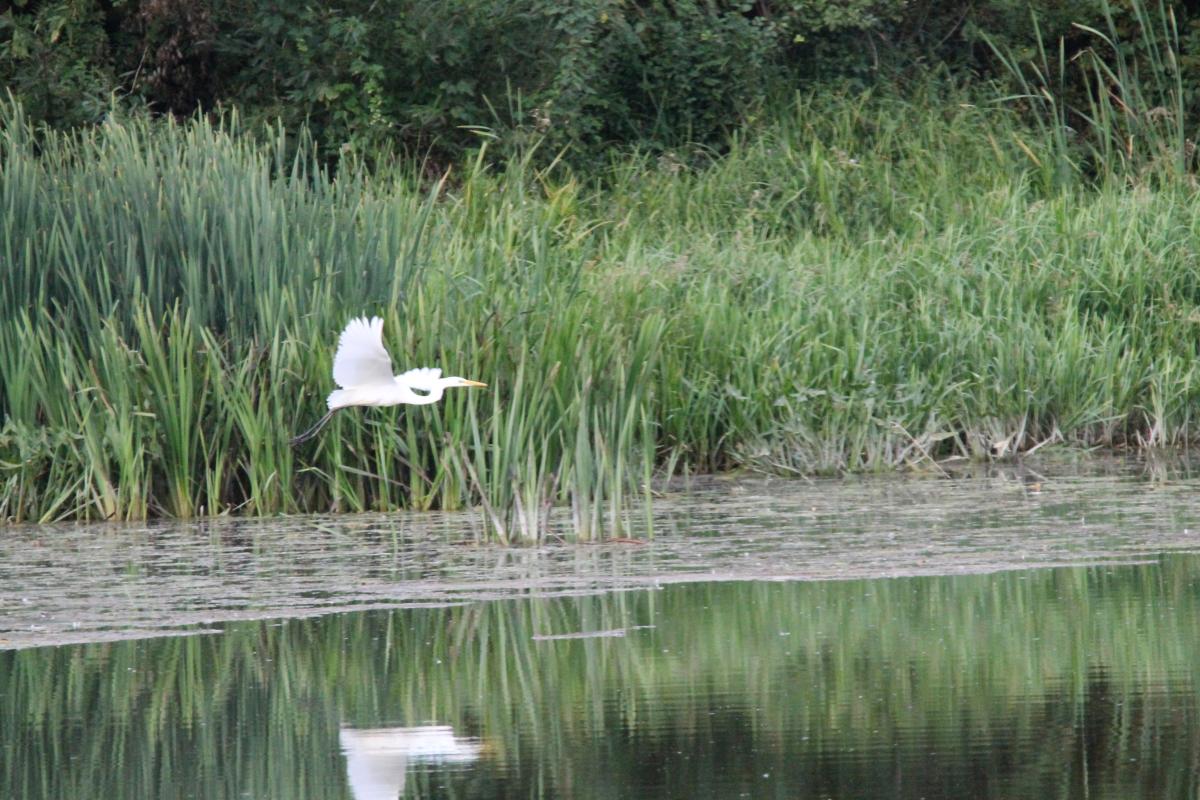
(473, 383)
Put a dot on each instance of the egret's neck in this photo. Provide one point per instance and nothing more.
(423, 395)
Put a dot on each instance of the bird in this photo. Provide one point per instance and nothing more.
(362, 369)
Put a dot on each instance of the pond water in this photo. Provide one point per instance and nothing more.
(995, 637)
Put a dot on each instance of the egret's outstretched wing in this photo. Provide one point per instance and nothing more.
(361, 359)
(422, 378)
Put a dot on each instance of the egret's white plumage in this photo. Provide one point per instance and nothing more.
(362, 369)
(361, 358)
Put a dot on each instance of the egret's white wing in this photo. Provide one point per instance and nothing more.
(361, 359)
(422, 378)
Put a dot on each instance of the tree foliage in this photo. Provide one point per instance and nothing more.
(433, 77)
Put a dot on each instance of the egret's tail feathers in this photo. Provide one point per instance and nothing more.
(315, 429)
(339, 398)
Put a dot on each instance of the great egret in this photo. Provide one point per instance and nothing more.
(377, 759)
(363, 369)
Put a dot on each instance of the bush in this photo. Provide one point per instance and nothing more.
(583, 74)
(369, 76)
(57, 58)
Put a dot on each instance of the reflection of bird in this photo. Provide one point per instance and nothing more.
(377, 758)
(363, 370)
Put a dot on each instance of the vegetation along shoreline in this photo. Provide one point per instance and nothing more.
(863, 279)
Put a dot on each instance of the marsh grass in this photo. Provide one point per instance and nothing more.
(864, 284)
(1130, 125)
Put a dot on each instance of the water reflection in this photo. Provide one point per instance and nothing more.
(377, 759)
(1070, 682)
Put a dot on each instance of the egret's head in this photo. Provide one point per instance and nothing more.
(457, 381)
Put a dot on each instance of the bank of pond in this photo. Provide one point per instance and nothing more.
(867, 283)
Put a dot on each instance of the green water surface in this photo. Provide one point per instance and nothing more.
(1066, 682)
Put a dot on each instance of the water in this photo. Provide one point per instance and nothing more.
(995, 637)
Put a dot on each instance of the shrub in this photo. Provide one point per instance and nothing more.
(369, 76)
(57, 57)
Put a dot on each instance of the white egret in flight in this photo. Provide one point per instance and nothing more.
(363, 369)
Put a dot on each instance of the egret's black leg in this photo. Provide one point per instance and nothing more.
(314, 430)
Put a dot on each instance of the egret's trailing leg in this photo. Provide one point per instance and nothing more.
(314, 430)
(363, 370)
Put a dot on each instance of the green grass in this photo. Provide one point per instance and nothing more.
(864, 283)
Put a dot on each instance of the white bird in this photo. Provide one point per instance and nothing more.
(363, 370)
(377, 759)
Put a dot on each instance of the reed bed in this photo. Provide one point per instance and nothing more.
(863, 284)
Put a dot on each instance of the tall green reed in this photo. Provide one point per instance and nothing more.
(1128, 124)
(865, 283)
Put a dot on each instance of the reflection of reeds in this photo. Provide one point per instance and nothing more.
(997, 674)
(862, 284)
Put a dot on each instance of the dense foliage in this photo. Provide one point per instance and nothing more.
(433, 77)
(849, 279)
(866, 283)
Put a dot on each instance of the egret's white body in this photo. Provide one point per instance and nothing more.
(363, 370)
(377, 759)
